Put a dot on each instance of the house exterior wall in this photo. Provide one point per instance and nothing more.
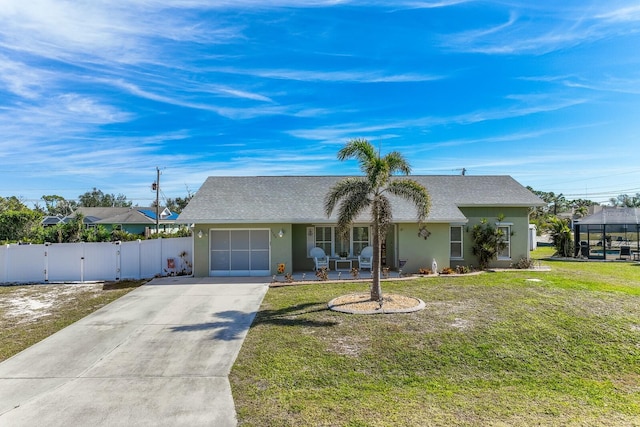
(420, 253)
(129, 228)
(519, 220)
(133, 228)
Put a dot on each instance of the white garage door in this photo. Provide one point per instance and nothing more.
(239, 252)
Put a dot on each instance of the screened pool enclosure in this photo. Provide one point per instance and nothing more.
(612, 233)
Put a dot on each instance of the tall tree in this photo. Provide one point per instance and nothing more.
(17, 221)
(626, 201)
(96, 198)
(556, 203)
(11, 203)
(354, 195)
(179, 203)
(17, 225)
(58, 205)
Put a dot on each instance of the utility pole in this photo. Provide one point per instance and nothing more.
(157, 200)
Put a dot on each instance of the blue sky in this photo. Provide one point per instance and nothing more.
(100, 93)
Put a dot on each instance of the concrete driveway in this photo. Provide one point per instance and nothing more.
(159, 356)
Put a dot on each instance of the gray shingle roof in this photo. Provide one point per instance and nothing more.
(300, 199)
(116, 215)
(612, 215)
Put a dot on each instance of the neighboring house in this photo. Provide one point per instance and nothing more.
(607, 232)
(134, 220)
(51, 220)
(246, 226)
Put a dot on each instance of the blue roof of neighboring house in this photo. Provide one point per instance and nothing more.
(122, 215)
(151, 213)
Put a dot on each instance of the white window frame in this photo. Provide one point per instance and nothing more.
(331, 240)
(334, 239)
(361, 242)
(506, 252)
(451, 242)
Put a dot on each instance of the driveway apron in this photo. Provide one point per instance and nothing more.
(158, 356)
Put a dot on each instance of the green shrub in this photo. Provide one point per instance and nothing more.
(488, 242)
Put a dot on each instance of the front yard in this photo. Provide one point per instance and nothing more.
(510, 348)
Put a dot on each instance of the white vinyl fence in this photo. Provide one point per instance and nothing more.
(82, 262)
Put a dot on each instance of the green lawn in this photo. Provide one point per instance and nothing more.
(495, 349)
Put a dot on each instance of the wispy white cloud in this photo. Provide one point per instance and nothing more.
(431, 4)
(120, 32)
(526, 105)
(531, 29)
(333, 76)
(623, 14)
(229, 112)
(23, 80)
(236, 93)
(619, 84)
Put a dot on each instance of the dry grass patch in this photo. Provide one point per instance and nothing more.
(30, 313)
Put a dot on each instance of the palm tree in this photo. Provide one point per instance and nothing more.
(356, 194)
(561, 236)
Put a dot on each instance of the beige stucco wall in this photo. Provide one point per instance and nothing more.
(280, 246)
(419, 252)
(519, 217)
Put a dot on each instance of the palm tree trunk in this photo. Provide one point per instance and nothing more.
(376, 289)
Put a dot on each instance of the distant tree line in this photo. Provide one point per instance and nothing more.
(19, 223)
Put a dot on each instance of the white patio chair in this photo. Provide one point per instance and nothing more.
(320, 259)
(365, 259)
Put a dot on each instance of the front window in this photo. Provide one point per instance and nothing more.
(360, 239)
(324, 239)
(456, 242)
(334, 244)
(505, 231)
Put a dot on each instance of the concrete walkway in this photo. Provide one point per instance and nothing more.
(159, 356)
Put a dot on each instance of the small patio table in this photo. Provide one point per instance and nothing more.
(343, 264)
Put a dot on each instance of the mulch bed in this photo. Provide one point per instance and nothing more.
(361, 304)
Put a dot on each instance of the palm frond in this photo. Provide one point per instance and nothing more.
(349, 209)
(397, 163)
(360, 149)
(414, 192)
(343, 189)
